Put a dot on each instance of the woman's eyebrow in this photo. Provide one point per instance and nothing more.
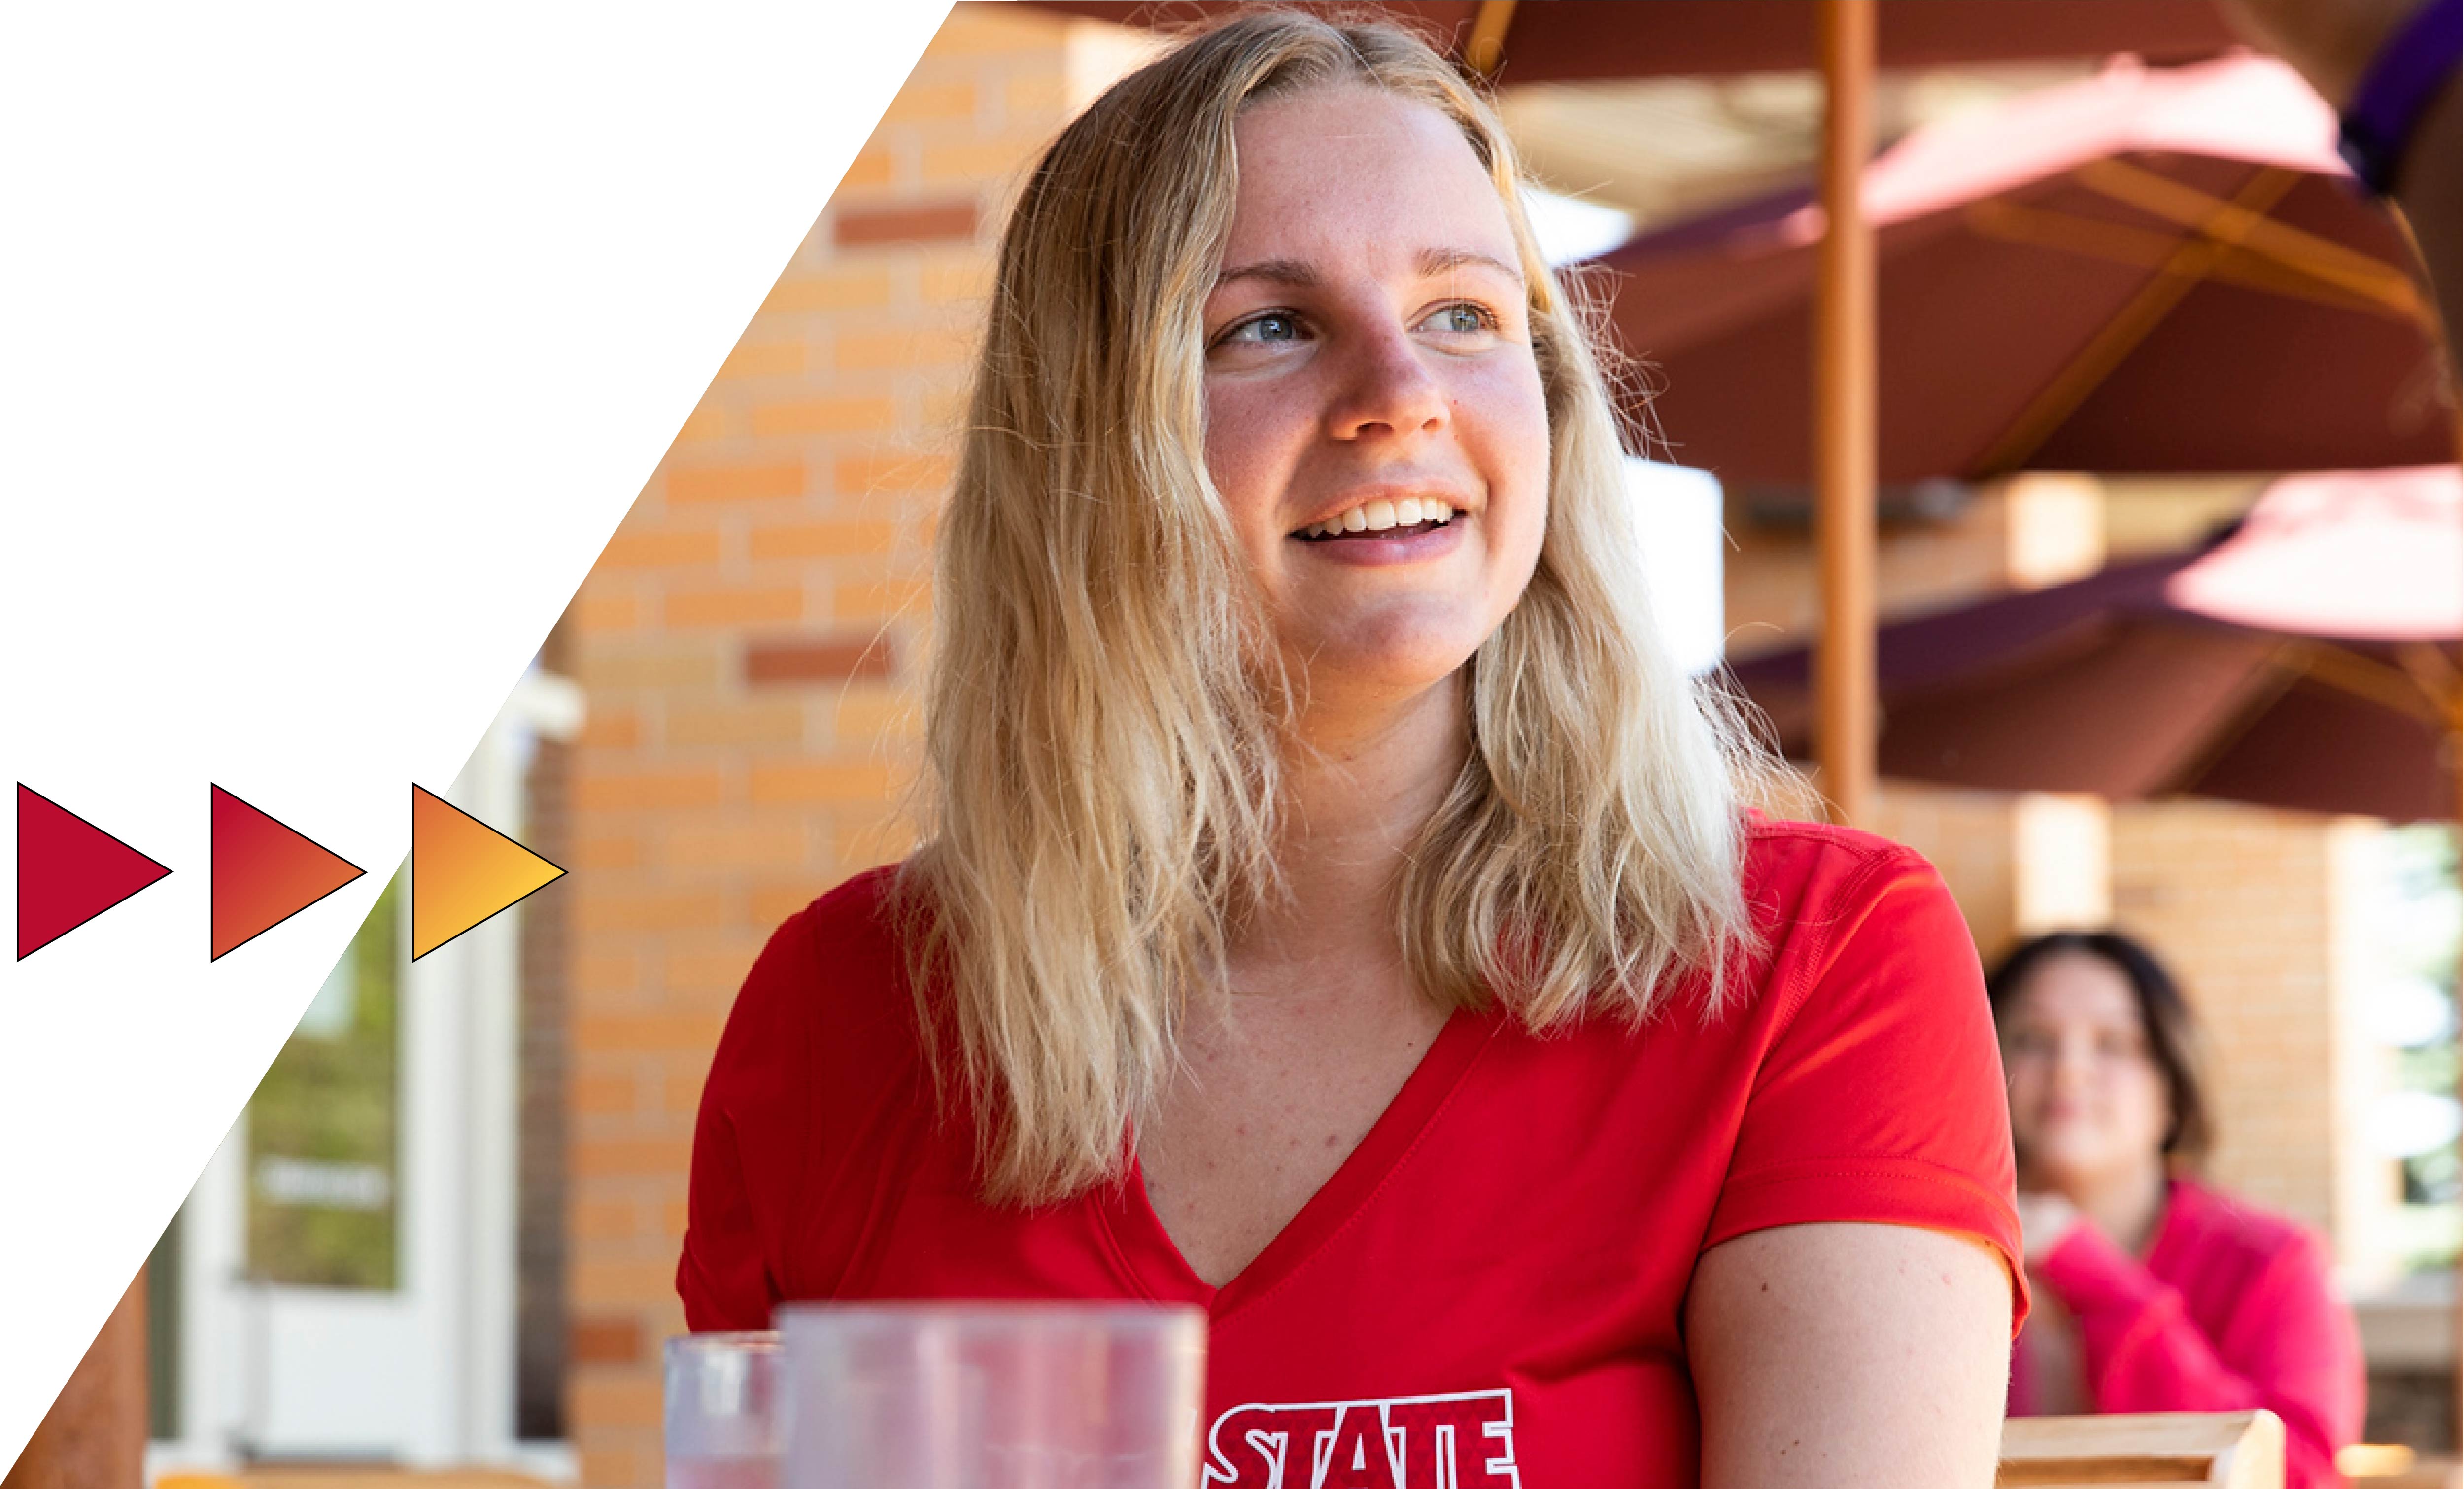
(1431, 262)
(1436, 261)
(1288, 271)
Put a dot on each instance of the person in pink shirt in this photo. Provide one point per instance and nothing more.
(2153, 1291)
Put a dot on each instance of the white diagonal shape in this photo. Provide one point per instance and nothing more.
(335, 341)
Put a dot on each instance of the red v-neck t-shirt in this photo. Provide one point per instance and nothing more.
(1495, 1276)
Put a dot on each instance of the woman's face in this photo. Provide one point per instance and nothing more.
(1369, 352)
(2088, 1097)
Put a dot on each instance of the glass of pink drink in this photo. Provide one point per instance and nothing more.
(725, 1395)
(1015, 1395)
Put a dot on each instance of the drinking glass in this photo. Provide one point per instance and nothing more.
(724, 1396)
(994, 1395)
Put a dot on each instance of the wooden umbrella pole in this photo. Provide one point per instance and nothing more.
(1844, 418)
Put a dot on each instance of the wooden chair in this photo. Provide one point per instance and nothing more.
(2241, 1449)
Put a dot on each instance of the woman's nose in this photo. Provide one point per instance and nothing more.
(1387, 388)
(2074, 1066)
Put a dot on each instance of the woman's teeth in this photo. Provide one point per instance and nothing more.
(1380, 516)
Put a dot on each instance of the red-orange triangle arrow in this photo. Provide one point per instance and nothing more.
(264, 873)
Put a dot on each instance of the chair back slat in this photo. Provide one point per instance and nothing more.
(2241, 1450)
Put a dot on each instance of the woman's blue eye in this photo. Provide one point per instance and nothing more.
(1267, 329)
(1463, 320)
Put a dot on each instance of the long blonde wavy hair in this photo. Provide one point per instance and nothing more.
(1104, 737)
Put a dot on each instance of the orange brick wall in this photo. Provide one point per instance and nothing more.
(2253, 910)
(749, 645)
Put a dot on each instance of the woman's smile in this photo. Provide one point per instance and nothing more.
(1419, 544)
(1390, 526)
(1396, 542)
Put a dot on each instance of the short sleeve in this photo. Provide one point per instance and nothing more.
(750, 1118)
(1879, 1096)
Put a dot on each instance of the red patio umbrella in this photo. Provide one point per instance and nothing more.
(2308, 660)
(1589, 40)
(2152, 270)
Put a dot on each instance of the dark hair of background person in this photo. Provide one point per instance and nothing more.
(2163, 1017)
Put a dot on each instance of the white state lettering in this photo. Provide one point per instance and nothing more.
(1462, 1440)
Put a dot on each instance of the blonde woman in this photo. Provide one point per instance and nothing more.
(1335, 910)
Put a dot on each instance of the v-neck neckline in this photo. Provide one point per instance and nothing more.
(1152, 1262)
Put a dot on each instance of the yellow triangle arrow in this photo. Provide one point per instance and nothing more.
(462, 871)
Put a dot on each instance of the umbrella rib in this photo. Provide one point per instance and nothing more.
(2091, 237)
(2411, 689)
(2438, 677)
(2305, 252)
(2297, 660)
(2261, 690)
(2114, 341)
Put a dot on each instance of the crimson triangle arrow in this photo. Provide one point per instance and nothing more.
(69, 871)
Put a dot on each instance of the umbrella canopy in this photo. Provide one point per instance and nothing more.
(1585, 40)
(2150, 270)
(2308, 660)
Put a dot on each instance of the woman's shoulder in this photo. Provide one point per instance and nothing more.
(1798, 859)
(1861, 1058)
(842, 957)
(1822, 895)
(861, 918)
